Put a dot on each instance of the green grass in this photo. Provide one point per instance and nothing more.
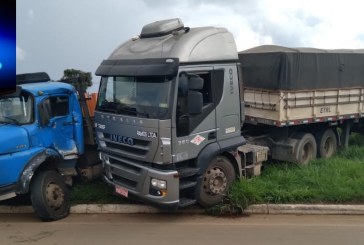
(338, 180)
(95, 192)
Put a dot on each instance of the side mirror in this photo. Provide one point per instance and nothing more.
(195, 83)
(194, 102)
(44, 113)
(183, 84)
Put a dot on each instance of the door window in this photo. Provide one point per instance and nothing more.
(186, 123)
(59, 106)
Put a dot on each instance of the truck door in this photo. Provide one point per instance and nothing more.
(59, 132)
(194, 129)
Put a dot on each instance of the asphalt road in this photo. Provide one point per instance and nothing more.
(176, 229)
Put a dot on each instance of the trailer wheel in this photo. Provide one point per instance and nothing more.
(326, 143)
(215, 182)
(50, 196)
(306, 148)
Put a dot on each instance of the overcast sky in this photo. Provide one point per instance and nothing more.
(54, 35)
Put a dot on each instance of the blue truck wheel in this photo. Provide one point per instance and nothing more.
(50, 196)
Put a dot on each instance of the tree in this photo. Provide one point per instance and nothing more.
(71, 76)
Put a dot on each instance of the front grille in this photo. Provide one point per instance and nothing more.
(136, 141)
(122, 147)
(125, 166)
(124, 182)
(139, 148)
(127, 172)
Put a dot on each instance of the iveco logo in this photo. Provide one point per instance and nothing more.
(122, 139)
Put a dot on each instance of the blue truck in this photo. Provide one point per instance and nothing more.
(45, 138)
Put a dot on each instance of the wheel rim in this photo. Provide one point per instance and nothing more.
(329, 147)
(215, 181)
(307, 152)
(54, 196)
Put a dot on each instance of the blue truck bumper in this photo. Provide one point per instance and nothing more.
(7, 191)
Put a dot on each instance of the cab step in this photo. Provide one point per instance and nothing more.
(184, 202)
(187, 172)
(184, 184)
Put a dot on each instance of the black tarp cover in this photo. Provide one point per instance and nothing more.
(279, 68)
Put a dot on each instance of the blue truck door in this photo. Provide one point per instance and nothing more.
(61, 126)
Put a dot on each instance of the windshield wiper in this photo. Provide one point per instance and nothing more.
(119, 108)
(133, 111)
(108, 107)
(103, 108)
(12, 120)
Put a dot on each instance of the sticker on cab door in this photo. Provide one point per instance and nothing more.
(230, 130)
(197, 140)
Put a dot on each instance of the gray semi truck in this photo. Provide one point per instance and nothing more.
(181, 114)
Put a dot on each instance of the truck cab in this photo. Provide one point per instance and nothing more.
(41, 132)
(168, 116)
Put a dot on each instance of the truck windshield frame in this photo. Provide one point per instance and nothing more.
(17, 109)
(139, 96)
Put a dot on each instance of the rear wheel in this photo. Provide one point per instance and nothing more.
(50, 196)
(326, 143)
(306, 148)
(215, 182)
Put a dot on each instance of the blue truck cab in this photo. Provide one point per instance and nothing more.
(41, 138)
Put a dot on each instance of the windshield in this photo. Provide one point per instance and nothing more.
(146, 97)
(17, 110)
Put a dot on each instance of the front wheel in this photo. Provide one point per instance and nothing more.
(215, 182)
(50, 196)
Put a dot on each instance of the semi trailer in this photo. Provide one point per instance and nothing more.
(181, 113)
(296, 99)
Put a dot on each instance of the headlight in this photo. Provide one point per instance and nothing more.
(160, 184)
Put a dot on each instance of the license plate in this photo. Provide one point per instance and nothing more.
(122, 191)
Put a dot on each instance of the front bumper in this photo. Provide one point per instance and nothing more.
(7, 192)
(136, 177)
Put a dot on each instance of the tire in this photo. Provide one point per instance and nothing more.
(326, 143)
(50, 196)
(213, 185)
(306, 148)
